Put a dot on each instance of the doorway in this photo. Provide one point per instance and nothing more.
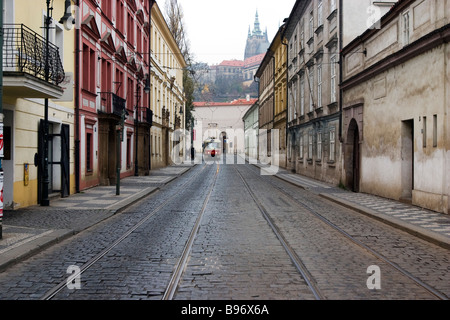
(352, 158)
(59, 159)
(407, 160)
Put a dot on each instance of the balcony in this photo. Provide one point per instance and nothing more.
(112, 104)
(24, 64)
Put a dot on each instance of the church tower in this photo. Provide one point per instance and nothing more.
(257, 41)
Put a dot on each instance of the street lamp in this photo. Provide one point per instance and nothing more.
(147, 85)
(45, 202)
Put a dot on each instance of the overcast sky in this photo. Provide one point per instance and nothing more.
(217, 29)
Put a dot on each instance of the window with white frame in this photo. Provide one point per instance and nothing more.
(311, 82)
(332, 156)
(300, 147)
(406, 28)
(302, 94)
(319, 146)
(319, 86)
(311, 24)
(320, 13)
(332, 5)
(310, 144)
(333, 78)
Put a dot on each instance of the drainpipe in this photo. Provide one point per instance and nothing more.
(151, 2)
(1, 118)
(77, 105)
(287, 98)
(341, 68)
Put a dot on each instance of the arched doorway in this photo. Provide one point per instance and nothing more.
(352, 157)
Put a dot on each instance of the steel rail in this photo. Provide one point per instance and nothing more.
(182, 262)
(419, 282)
(56, 289)
(301, 268)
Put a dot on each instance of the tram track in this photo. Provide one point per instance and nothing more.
(296, 260)
(50, 294)
(301, 268)
(182, 263)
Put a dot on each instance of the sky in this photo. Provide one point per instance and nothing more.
(217, 29)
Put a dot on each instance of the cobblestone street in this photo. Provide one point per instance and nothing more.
(257, 238)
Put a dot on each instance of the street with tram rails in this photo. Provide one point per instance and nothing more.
(224, 231)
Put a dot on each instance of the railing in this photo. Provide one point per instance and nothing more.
(25, 51)
(112, 104)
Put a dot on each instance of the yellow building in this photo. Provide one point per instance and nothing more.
(279, 47)
(167, 93)
(27, 85)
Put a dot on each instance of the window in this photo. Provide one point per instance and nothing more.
(320, 13)
(106, 76)
(119, 83)
(89, 152)
(406, 28)
(424, 132)
(310, 145)
(332, 145)
(311, 82)
(300, 147)
(332, 5)
(119, 15)
(130, 28)
(319, 86)
(311, 24)
(89, 62)
(128, 151)
(333, 78)
(319, 146)
(130, 94)
(302, 95)
(435, 135)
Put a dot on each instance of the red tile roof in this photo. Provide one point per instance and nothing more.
(238, 102)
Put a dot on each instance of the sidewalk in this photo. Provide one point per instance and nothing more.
(29, 230)
(428, 225)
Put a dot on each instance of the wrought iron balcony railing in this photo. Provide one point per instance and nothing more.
(112, 104)
(25, 51)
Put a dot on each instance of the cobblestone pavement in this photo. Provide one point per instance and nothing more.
(235, 254)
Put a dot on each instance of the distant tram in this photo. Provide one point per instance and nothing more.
(212, 148)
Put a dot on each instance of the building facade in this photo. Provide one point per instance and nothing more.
(396, 136)
(279, 48)
(28, 90)
(265, 76)
(221, 121)
(130, 93)
(167, 99)
(251, 128)
(316, 32)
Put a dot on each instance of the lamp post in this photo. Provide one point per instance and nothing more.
(136, 123)
(45, 202)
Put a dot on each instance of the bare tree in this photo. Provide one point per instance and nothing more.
(175, 21)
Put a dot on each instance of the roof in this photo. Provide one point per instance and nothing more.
(232, 63)
(254, 61)
(238, 102)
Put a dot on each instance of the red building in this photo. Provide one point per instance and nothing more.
(113, 118)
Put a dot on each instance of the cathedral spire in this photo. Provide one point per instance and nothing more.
(257, 30)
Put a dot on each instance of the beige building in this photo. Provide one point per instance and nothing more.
(316, 31)
(223, 121)
(396, 136)
(167, 98)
